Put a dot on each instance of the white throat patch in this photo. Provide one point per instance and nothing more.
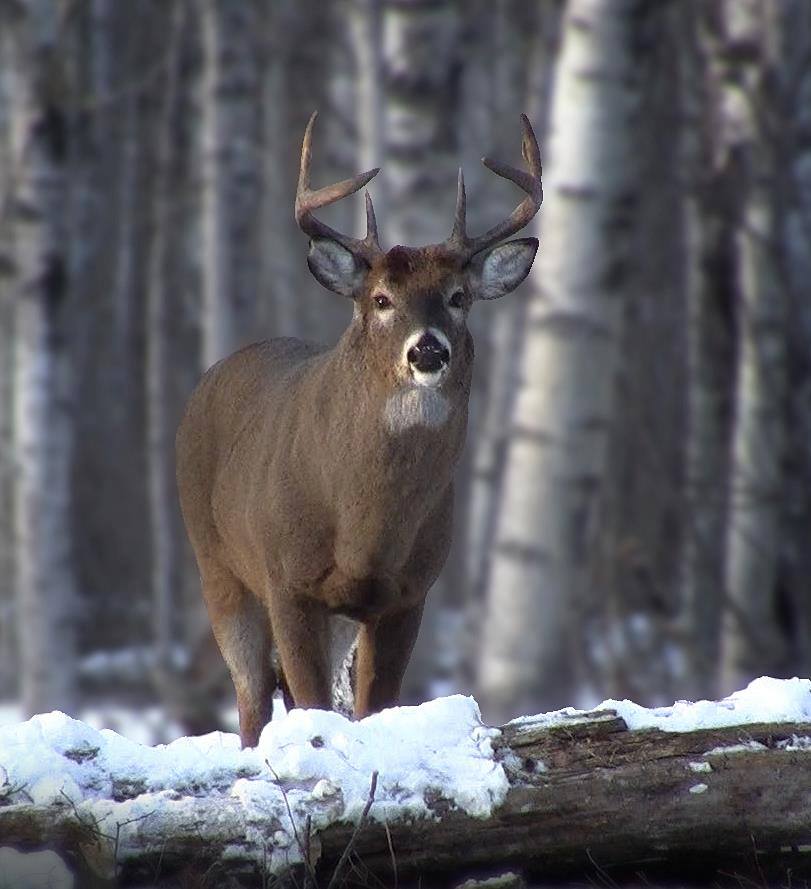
(415, 406)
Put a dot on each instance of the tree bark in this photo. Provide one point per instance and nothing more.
(231, 174)
(708, 379)
(587, 800)
(564, 408)
(43, 411)
(160, 428)
(8, 641)
(751, 641)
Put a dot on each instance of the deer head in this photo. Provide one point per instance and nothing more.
(411, 303)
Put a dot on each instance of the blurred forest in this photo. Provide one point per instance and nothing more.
(634, 504)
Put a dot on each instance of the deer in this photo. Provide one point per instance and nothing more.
(316, 483)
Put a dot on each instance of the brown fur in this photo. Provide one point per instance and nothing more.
(300, 503)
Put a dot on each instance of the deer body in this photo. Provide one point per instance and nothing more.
(317, 482)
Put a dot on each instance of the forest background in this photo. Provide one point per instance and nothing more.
(633, 514)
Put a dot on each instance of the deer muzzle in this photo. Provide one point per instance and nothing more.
(428, 355)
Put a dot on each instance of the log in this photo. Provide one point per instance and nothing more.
(587, 800)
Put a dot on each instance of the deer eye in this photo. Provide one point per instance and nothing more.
(382, 301)
(457, 299)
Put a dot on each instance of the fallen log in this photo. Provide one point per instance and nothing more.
(587, 799)
(592, 798)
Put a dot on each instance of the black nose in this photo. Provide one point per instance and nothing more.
(428, 354)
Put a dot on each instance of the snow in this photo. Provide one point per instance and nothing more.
(312, 763)
(317, 763)
(763, 700)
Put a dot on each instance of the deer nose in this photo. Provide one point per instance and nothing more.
(428, 354)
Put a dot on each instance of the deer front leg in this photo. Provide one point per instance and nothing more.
(301, 635)
(242, 632)
(384, 648)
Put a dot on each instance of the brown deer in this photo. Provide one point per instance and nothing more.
(317, 482)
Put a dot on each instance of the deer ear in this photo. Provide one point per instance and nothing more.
(335, 267)
(501, 269)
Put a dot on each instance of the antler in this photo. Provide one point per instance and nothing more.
(308, 200)
(530, 182)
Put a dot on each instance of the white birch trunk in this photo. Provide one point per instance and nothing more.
(43, 410)
(8, 642)
(563, 413)
(278, 299)
(160, 429)
(751, 642)
(231, 178)
(366, 28)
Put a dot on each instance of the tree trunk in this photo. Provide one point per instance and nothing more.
(160, 428)
(43, 416)
(702, 556)
(797, 183)
(278, 298)
(498, 329)
(231, 177)
(8, 642)
(752, 642)
(588, 801)
(556, 453)
(420, 54)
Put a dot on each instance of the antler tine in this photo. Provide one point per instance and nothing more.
(309, 200)
(371, 222)
(530, 182)
(458, 236)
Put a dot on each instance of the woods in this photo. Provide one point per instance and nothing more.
(634, 501)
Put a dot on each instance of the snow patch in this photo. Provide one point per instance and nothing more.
(795, 744)
(700, 767)
(763, 700)
(698, 788)
(320, 760)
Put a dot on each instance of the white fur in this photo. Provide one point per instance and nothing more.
(416, 406)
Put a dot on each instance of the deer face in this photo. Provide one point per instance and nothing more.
(411, 305)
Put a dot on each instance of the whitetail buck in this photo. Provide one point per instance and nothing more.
(317, 482)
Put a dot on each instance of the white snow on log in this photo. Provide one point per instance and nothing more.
(321, 760)
(317, 764)
(763, 700)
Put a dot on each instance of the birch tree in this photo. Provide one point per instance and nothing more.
(750, 49)
(231, 173)
(43, 410)
(704, 225)
(160, 428)
(556, 453)
(278, 298)
(7, 613)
